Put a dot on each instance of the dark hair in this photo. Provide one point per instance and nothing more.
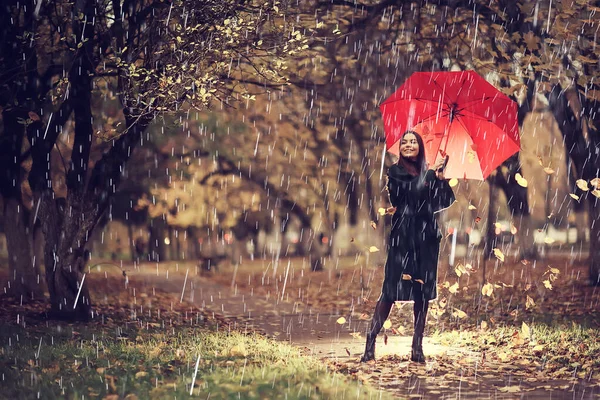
(419, 165)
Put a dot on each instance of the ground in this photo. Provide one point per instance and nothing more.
(529, 330)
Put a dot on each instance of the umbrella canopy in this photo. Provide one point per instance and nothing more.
(457, 113)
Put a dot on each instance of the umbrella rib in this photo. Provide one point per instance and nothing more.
(448, 100)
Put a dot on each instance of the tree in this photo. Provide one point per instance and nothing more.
(160, 56)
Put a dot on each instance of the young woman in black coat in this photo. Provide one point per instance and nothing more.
(411, 267)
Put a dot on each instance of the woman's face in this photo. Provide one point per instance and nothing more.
(409, 147)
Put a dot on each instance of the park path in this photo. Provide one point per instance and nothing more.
(319, 334)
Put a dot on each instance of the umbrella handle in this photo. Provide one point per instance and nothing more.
(443, 167)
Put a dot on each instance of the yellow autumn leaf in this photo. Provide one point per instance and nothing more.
(373, 225)
(387, 324)
(381, 211)
(420, 281)
(582, 184)
(574, 196)
(509, 389)
(554, 270)
(487, 289)
(525, 330)
(459, 313)
(548, 240)
(453, 288)
(529, 303)
(498, 225)
(140, 374)
(453, 182)
(341, 320)
(547, 284)
(498, 254)
(595, 192)
(461, 270)
(484, 325)
(406, 277)
(513, 229)
(595, 182)
(548, 170)
(373, 249)
(520, 180)
(472, 207)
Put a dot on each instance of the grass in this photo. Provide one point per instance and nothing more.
(147, 346)
(158, 364)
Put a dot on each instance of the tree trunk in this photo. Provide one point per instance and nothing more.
(131, 241)
(25, 282)
(66, 230)
(594, 258)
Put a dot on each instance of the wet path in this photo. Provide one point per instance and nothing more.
(320, 334)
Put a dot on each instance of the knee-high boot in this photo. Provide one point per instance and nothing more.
(382, 311)
(420, 315)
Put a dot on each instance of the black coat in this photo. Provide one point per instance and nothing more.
(411, 266)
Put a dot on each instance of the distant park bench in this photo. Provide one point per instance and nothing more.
(209, 264)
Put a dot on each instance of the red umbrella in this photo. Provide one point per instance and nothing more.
(457, 113)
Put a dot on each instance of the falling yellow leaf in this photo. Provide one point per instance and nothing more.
(381, 211)
(387, 324)
(520, 180)
(513, 229)
(373, 249)
(548, 170)
(443, 302)
(453, 288)
(574, 196)
(373, 225)
(547, 284)
(499, 254)
(529, 303)
(459, 313)
(525, 330)
(341, 320)
(595, 192)
(548, 240)
(582, 184)
(595, 182)
(390, 210)
(406, 277)
(554, 270)
(355, 335)
(472, 207)
(484, 325)
(487, 289)
(420, 281)
(461, 270)
(498, 225)
(453, 182)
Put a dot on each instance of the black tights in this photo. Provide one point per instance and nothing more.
(382, 312)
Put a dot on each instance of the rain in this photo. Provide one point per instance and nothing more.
(309, 199)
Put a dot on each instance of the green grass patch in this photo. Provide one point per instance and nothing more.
(64, 363)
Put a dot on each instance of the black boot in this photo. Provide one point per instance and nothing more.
(417, 349)
(420, 314)
(369, 349)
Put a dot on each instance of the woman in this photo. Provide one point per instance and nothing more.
(411, 266)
